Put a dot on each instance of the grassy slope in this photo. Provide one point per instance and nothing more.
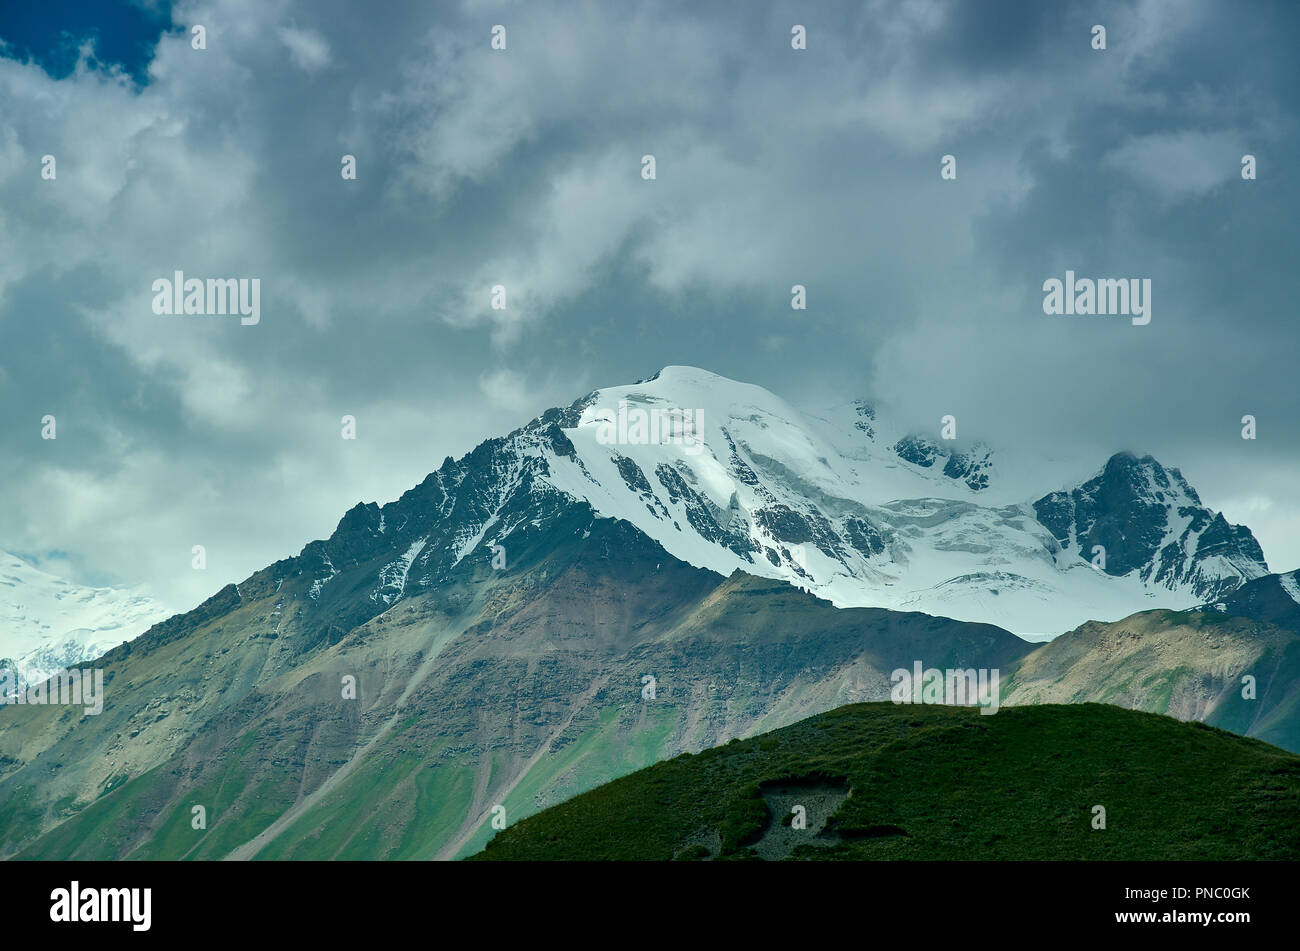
(931, 782)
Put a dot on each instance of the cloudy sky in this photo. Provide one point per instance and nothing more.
(522, 167)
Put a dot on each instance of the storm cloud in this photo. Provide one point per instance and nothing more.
(522, 167)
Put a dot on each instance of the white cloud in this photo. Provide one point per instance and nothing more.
(505, 388)
(1186, 163)
(308, 49)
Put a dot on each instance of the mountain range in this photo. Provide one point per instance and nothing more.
(576, 600)
(838, 504)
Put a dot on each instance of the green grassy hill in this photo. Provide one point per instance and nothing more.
(881, 781)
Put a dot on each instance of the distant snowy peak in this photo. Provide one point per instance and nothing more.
(47, 623)
(843, 503)
(844, 442)
(863, 513)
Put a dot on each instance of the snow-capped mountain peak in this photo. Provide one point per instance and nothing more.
(728, 476)
(864, 515)
(1149, 521)
(48, 623)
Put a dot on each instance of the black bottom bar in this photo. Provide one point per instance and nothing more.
(927, 901)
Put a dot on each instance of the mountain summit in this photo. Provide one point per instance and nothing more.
(727, 476)
(1150, 522)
